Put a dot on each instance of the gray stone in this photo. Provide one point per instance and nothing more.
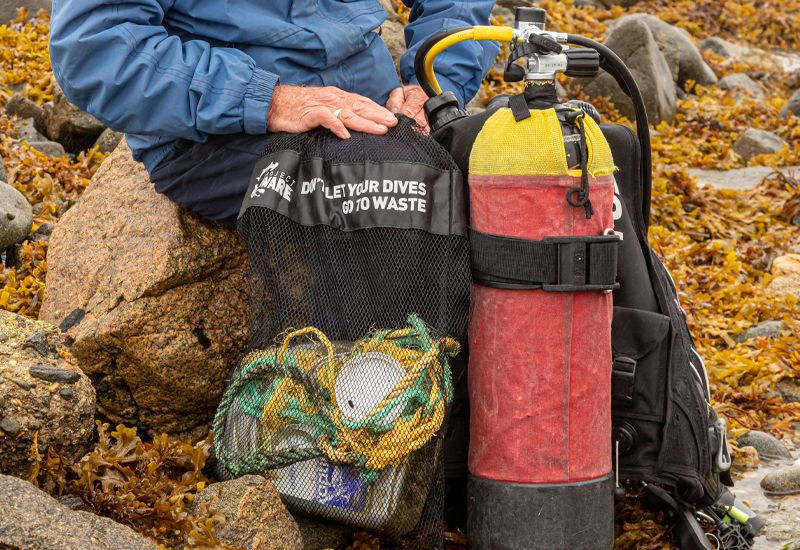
(2, 170)
(8, 8)
(597, 4)
(503, 15)
(683, 57)
(255, 518)
(789, 390)
(30, 518)
(741, 83)
(623, 3)
(785, 481)
(758, 142)
(65, 123)
(22, 107)
(319, 535)
(66, 393)
(633, 41)
(38, 342)
(3, 337)
(54, 374)
(768, 447)
(108, 140)
(9, 426)
(718, 46)
(793, 106)
(764, 329)
(44, 232)
(74, 502)
(16, 216)
(49, 148)
(26, 131)
(738, 178)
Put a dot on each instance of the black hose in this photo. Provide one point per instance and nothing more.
(613, 65)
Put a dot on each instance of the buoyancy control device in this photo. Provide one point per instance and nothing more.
(583, 377)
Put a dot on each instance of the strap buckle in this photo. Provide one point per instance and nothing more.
(585, 263)
(623, 373)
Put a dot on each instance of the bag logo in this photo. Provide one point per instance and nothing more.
(275, 180)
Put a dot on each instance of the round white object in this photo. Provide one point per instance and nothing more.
(365, 381)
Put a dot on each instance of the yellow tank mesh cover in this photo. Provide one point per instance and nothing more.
(505, 147)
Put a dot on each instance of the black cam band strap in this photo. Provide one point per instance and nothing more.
(557, 264)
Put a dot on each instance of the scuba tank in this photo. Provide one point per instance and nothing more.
(558, 420)
(544, 251)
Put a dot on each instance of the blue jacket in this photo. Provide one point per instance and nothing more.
(166, 69)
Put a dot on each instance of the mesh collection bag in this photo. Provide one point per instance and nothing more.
(359, 286)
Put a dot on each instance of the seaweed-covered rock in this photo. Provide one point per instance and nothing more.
(39, 394)
(255, 518)
(30, 518)
(740, 82)
(153, 299)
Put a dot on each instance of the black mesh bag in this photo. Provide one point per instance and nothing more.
(359, 286)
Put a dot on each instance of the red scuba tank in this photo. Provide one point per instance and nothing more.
(540, 332)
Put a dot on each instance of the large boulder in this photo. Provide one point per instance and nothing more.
(793, 106)
(633, 41)
(741, 83)
(40, 395)
(32, 519)
(16, 216)
(76, 130)
(255, 518)
(153, 299)
(683, 58)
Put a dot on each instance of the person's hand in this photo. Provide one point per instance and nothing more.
(409, 100)
(301, 108)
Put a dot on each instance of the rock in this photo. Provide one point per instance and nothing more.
(44, 232)
(255, 518)
(623, 3)
(740, 82)
(633, 41)
(718, 46)
(738, 178)
(2, 170)
(393, 35)
(389, 8)
(16, 216)
(597, 4)
(69, 126)
(319, 535)
(683, 57)
(758, 142)
(108, 140)
(22, 107)
(785, 481)
(134, 277)
(789, 390)
(764, 329)
(30, 518)
(504, 15)
(38, 341)
(786, 275)
(49, 148)
(8, 9)
(29, 383)
(26, 131)
(513, 4)
(793, 106)
(768, 447)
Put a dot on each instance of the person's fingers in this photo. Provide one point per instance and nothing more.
(396, 99)
(361, 124)
(366, 108)
(415, 101)
(422, 121)
(324, 117)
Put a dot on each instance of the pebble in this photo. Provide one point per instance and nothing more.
(54, 374)
(15, 216)
(3, 337)
(66, 393)
(9, 426)
(38, 341)
(49, 148)
(785, 481)
(768, 447)
(73, 318)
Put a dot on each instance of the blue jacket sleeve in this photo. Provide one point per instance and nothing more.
(461, 68)
(116, 61)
